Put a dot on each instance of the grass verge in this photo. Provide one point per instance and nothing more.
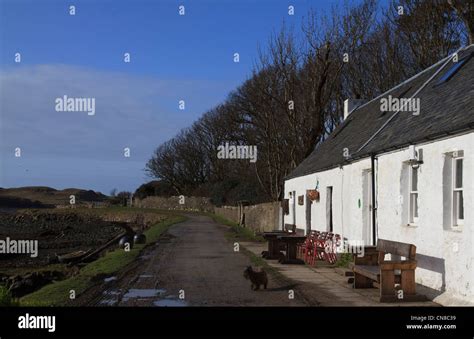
(344, 260)
(236, 232)
(6, 298)
(58, 293)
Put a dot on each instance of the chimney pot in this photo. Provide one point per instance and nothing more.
(351, 105)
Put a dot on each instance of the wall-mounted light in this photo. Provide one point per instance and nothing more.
(415, 164)
(415, 156)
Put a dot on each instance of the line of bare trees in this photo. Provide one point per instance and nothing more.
(293, 99)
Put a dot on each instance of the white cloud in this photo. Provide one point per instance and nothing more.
(131, 111)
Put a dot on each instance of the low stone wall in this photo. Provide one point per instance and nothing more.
(261, 218)
(174, 203)
(229, 212)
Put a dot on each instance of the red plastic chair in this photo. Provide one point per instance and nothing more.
(302, 249)
(331, 245)
(324, 248)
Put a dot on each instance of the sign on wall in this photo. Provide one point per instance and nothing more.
(301, 200)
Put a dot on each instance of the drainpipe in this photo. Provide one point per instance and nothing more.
(374, 202)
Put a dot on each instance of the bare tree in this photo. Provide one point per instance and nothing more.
(465, 10)
(293, 99)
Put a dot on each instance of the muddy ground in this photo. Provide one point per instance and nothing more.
(58, 232)
(192, 260)
(55, 233)
(61, 231)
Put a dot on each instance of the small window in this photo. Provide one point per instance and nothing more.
(413, 197)
(458, 198)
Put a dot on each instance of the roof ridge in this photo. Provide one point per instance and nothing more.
(420, 88)
(415, 76)
(323, 156)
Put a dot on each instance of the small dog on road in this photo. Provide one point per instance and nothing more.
(256, 278)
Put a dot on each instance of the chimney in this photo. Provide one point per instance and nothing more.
(350, 105)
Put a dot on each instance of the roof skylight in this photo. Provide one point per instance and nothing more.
(453, 70)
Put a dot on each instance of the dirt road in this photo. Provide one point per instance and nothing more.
(192, 265)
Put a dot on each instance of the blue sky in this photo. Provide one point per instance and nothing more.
(173, 57)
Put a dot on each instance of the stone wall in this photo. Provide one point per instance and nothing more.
(173, 203)
(229, 212)
(261, 217)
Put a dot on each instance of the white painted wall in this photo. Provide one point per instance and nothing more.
(438, 261)
(347, 190)
(439, 265)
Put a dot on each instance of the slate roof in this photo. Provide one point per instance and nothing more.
(445, 109)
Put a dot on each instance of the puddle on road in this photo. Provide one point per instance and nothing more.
(142, 293)
(112, 292)
(109, 279)
(108, 302)
(143, 276)
(170, 303)
(110, 298)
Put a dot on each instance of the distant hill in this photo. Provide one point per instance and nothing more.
(42, 196)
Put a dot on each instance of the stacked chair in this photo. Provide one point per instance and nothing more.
(319, 246)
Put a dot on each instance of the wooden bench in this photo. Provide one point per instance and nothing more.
(372, 270)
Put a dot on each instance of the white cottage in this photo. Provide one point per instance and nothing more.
(402, 174)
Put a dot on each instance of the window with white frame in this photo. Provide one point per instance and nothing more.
(413, 194)
(457, 185)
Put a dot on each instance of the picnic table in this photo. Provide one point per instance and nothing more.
(273, 251)
(291, 242)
